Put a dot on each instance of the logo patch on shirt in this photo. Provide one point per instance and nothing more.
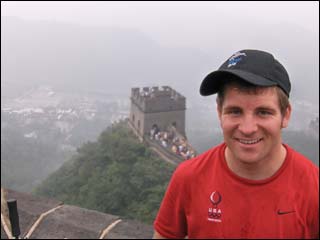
(214, 212)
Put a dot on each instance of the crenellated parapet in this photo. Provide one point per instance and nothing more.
(158, 99)
(157, 107)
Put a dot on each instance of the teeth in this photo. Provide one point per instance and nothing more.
(249, 141)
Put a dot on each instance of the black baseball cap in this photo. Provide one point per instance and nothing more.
(253, 66)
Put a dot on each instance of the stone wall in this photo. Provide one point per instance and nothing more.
(42, 218)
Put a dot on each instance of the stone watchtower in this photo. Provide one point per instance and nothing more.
(157, 107)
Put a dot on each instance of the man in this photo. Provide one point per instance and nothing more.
(252, 185)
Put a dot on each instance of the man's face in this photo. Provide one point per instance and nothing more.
(251, 124)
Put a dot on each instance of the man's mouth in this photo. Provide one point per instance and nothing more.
(249, 141)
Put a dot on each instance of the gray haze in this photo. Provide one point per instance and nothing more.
(113, 46)
(171, 22)
(67, 69)
(156, 42)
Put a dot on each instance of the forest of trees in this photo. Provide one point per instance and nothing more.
(116, 175)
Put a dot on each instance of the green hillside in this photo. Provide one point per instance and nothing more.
(116, 174)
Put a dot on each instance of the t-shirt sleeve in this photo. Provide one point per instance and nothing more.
(171, 219)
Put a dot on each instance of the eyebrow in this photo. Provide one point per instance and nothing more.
(231, 107)
(266, 108)
(263, 107)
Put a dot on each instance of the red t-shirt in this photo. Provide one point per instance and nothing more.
(205, 199)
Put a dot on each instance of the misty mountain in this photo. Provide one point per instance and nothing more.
(302, 141)
(43, 128)
(76, 57)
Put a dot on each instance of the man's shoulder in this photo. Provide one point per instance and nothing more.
(303, 165)
(299, 159)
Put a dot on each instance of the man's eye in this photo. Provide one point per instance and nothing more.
(264, 113)
(234, 112)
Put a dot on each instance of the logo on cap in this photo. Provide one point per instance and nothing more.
(235, 58)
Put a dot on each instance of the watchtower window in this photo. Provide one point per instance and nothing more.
(155, 128)
(133, 117)
(174, 124)
(139, 124)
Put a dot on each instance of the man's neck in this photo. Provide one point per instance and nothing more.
(258, 170)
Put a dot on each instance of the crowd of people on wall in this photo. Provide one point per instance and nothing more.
(171, 140)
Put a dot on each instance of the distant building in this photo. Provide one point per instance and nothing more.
(154, 107)
(313, 128)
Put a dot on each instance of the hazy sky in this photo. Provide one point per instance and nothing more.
(169, 22)
(202, 30)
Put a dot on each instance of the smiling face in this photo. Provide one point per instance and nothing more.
(251, 122)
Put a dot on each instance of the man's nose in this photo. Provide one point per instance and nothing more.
(248, 125)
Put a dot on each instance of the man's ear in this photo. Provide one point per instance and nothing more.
(286, 117)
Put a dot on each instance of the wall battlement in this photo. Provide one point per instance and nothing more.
(155, 99)
(159, 107)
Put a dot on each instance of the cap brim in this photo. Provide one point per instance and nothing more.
(213, 81)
